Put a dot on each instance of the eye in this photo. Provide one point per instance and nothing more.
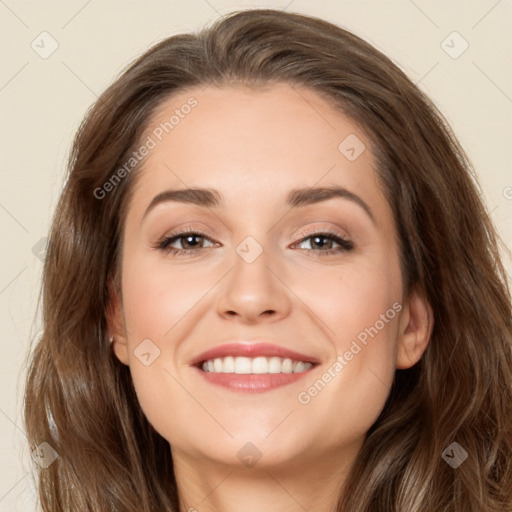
(189, 240)
(192, 242)
(318, 239)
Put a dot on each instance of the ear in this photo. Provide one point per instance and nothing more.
(416, 326)
(115, 322)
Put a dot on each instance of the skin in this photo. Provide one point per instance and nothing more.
(254, 146)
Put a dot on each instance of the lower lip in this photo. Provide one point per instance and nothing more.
(252, 383)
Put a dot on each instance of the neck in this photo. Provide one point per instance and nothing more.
(315, 485)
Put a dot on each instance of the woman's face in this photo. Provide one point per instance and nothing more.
(291, 256)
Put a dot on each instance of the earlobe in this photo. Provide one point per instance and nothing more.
(115, 325)
(120, 348)
(415, 333)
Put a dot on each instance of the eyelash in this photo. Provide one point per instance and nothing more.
(345, 245)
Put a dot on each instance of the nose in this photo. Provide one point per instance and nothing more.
(254, 292)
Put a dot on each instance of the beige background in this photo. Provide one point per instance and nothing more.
(43, 100)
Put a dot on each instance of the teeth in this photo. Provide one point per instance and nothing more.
(256, 365)
(259, 365)
(243, 365)
(228, 365)
(274, 365)
(287, 366)
(217, 365)
(299, 367)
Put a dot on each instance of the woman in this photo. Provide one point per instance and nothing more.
(271, 284)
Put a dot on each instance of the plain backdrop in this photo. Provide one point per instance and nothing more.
(44, 97)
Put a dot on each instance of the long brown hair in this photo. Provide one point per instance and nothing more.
(80, 399)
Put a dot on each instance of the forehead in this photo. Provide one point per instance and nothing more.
(254, 144)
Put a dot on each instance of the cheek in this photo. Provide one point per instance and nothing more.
(351, 392)
(156, 296)
(166, 404)
(359, 309)
(158, 302)
(354, 300)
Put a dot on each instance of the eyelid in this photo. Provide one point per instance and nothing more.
(182, 233)
(303, 234)
(190, 228)
(345, 242)
(326, 229)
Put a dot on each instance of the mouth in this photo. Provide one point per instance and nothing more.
(249, 367)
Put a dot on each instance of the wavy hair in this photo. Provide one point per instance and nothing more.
(80, 399)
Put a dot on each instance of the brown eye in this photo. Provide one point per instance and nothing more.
(189, 241)
(323, 243)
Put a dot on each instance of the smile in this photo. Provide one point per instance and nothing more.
(257, 365)
(252, 366)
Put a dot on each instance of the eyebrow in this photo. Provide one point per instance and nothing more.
(211, 198)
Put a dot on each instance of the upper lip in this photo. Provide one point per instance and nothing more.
(251, 349)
